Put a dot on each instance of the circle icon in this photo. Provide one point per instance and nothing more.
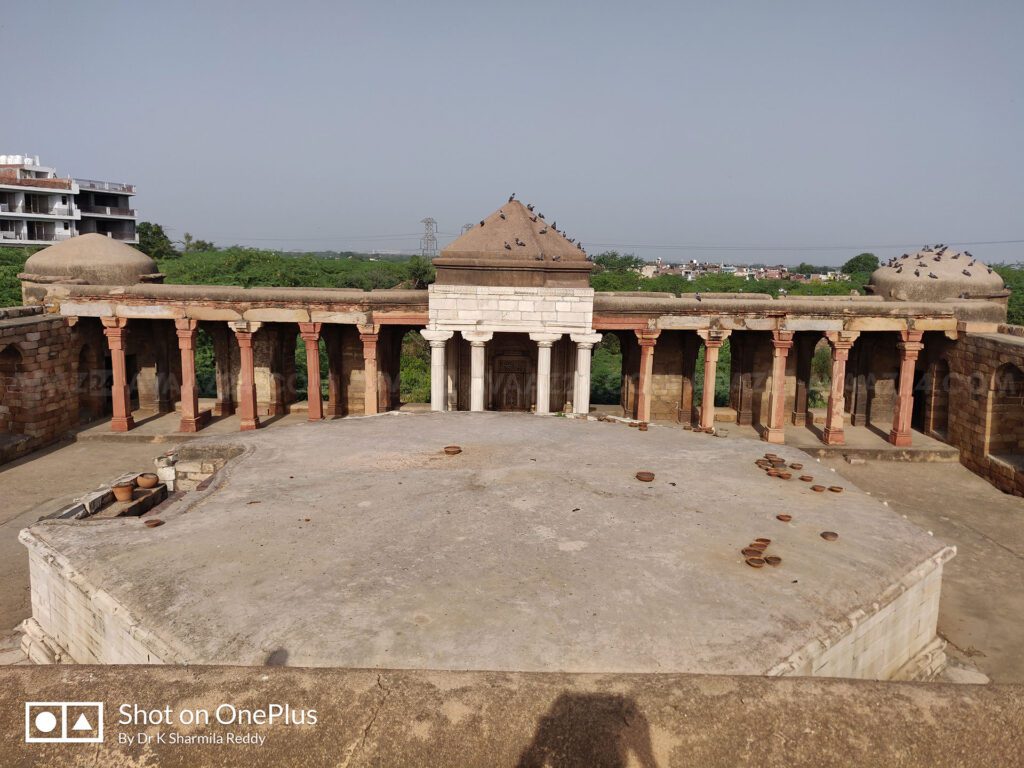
(45, 722)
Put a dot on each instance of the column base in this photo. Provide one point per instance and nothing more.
(333, 411)
(312, 415)
(119, 424)
(223, 408)
(248, 425)
(900, 439)
(833, 437)
(188, 424)
(775, 436)
(799, 419)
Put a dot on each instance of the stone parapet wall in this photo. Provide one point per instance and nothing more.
(981, 425)
(383, 717)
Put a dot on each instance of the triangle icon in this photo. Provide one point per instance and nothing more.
(81, 724)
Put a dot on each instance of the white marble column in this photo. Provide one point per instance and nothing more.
(477, 364)
(544, 343)
(581, 392)
(438, 370)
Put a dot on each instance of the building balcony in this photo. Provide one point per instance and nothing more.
(64, 211)
(106, 210)
(18, 238)
(106, 186)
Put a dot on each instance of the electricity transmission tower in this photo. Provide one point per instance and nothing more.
(428, 243)
(467, 227)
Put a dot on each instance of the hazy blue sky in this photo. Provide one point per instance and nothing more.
(634, 125)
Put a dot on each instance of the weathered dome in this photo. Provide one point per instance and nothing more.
(934, 273)
(93, 259)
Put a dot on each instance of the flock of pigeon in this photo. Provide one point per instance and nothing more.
(935, 253)
(543, 231)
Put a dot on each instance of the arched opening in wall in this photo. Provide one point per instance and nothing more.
(10, 393)
(1004, 422)
(935, 400)
(607, 376)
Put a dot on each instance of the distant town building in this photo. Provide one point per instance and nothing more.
(37, 207)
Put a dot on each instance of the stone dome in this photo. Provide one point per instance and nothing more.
(91, 259)
(934, 273)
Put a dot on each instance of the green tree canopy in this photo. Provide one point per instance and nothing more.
(613, 261)
(154, 242)
(864, 262)
(192, 245)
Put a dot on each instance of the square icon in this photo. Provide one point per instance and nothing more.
(63, 722)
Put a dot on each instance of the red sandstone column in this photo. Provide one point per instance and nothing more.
(910, 346)
(244, 332)
(841, 341)
(782, 341)
(689, 366)
(713, 340)
(311, 336)
(114, 328)
(369, 334)
(646, 340)
(191, 420)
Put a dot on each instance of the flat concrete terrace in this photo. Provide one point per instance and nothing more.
(358, 543)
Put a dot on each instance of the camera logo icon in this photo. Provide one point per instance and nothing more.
(63, 722)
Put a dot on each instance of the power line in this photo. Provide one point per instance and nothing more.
(692, 246)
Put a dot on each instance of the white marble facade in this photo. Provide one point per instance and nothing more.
(478, 312)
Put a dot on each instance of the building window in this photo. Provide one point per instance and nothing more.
(66, 225)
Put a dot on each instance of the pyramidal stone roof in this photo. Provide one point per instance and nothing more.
(515, 232)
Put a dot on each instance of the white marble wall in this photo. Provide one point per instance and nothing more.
(511, 310)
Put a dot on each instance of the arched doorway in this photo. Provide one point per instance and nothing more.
(1004, 422)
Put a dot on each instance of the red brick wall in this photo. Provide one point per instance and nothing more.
(39, 401)
(986, 413)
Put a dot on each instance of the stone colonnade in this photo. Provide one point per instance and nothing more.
(192, 419)
(782, 342)
(478, 340)
(234, 394)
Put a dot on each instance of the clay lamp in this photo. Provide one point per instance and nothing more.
(818, 488)
(124, 491)
(147, 480)
(751, 552)
(795, 465)
(807, 478)
(645, 477)
(633, 424)
(773, 560)
(786, 475)
(757, 546)
(784, 518)
(755, 562)
(829, 535)
(452, 450)
(643, 426)
(836, 488)
(153, 523)
(764, 541)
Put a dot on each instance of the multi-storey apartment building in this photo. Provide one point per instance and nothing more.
(37, 207)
